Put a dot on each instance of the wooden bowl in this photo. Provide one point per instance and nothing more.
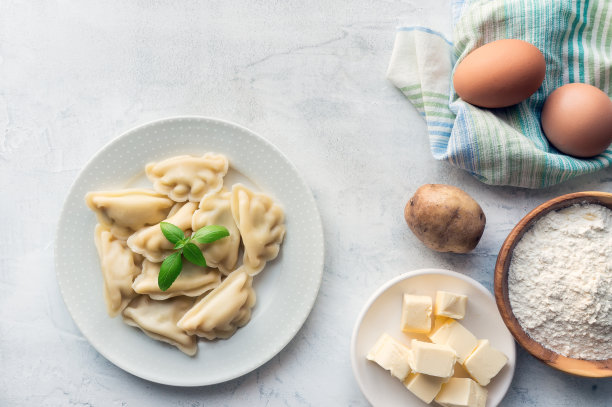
(580, 367)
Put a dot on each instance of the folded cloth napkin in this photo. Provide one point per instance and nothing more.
(505, 146)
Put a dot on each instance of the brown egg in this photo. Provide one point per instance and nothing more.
(577, 120)
(499, 74)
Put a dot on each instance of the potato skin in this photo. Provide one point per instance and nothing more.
(445, 218)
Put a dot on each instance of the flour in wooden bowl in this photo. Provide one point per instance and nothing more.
(560, 281)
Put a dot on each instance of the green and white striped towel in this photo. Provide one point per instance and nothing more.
(505, 146)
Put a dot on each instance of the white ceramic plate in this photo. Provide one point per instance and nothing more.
(382, 313)
(286, 289)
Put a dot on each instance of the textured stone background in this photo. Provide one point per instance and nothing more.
(308, 76)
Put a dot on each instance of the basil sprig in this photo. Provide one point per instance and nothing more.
(184, 246)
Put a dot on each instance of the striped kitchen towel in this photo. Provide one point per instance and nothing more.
(505, 146)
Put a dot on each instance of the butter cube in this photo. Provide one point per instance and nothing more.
(450, 304)
(432, 359)
(462, 392)
(391, 355)
(455, 335)
(416, 313)
(423, 386)
(485, 362)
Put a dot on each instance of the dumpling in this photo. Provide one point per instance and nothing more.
(151, 242)
(261, 224)
(158, 320)
(128, 210)
(224, 309)
(185, 177)
(216, 210)
(192, 282)
(119, 268)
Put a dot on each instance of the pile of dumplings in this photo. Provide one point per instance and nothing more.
(188, 192)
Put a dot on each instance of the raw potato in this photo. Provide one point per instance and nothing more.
(445, 218)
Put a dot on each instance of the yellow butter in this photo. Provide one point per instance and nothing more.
(416, 313)
(452, 333)
(432, 359)
(450, 305)
(391, 355)
(462, 392)
(423, 386)
(485, 362)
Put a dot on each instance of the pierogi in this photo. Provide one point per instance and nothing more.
(151, 242)
(120, 266)
(225, 309)
(128, 210)
(209, 302)
(185, 177)
(216, 210)
(192, 282)
(261, 222)
(158, 320)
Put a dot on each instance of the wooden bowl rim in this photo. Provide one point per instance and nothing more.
(579, 367)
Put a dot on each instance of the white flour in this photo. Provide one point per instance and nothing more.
(560, 281)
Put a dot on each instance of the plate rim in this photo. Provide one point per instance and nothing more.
(319, 263)
(388, 284)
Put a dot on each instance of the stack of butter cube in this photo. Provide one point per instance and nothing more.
(427, 368)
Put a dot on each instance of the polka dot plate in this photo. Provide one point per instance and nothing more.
(286, 289)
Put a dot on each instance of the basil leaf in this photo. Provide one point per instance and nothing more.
(173, 233)
(210, 233)
(169, 271)
(194, 254)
